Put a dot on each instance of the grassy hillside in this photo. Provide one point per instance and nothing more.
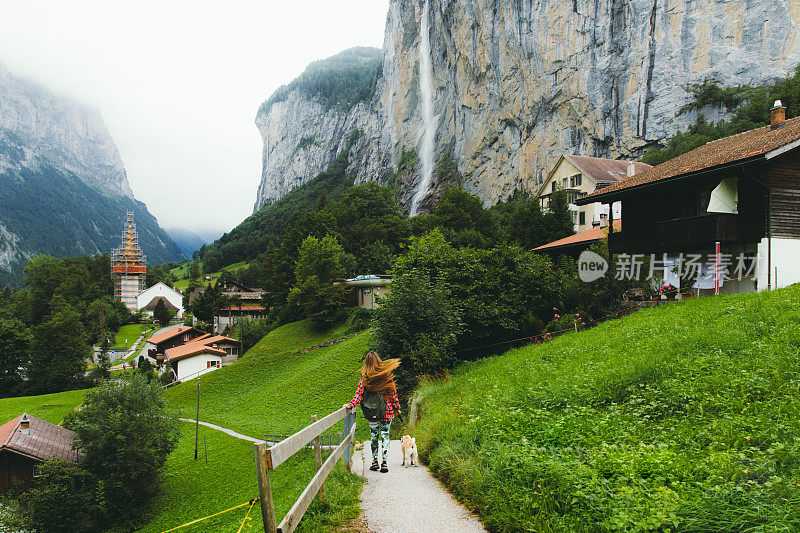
(680, 418)
(182, 274)
(275, 389)
(194, 489)
(50, 407)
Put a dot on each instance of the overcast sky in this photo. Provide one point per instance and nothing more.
(179, 83)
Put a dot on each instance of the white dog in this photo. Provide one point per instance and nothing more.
(409, 447)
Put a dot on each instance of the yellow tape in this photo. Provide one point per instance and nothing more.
(250, 503)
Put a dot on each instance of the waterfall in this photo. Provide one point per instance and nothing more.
(426, 93)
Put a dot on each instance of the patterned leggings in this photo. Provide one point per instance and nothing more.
(379, 431)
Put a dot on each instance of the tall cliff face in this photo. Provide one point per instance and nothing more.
(63, 187)
(67, 135)
(517, 83)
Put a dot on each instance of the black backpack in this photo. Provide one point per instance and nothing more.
(373, 406)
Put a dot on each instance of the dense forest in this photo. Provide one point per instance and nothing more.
(750, 108)
(340, 81)
(47, 329)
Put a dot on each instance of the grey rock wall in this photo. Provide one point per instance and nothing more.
(520, 82)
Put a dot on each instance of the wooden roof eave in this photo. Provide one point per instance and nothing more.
(619, 194)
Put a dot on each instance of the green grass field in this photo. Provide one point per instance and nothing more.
(680, 418)
(194, 489)
(182, 274)
(275, 389)
(50, 407)
(128, 334)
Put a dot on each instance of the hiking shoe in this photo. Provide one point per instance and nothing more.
(384, 467)
(374, 466)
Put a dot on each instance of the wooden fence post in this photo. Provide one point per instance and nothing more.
(349, 422)
(265, 489)
(318, 459)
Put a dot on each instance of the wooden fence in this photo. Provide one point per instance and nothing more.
(269, 458)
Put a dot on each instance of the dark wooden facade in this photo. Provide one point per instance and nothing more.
(669, 215)
(16, 470)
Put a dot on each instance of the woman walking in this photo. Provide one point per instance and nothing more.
(377, 394)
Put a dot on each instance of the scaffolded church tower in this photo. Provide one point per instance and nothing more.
(128, 266)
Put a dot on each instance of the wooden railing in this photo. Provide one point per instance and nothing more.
(268, 459)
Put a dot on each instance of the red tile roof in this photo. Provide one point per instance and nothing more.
(208, 341)
(191, 349)
(170, 333)
(46, 441)
(584, 237)
(740, 147)
(244, 307)
(601, 170)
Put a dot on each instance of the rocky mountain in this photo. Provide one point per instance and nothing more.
(513, 84)
(63, 187)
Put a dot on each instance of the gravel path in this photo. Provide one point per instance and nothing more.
(410, 500)
(230, 432)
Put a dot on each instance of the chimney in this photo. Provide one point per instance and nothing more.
(25, 425)
(631, 169)
(778, 116)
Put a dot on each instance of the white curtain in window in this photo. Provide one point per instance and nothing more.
(725, 197)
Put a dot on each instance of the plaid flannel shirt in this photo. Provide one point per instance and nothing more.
(392, 404)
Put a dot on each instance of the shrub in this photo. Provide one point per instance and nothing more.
(126, 436)
(62, 500)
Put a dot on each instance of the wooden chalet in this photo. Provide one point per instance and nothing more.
(25, 443)
(741, 191)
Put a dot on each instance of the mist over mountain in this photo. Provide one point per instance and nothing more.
(63, 187)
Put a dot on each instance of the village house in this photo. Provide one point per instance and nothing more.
(249, 306)
(171, 338)
(149, 298)
(580, 176)
(367, 290)
(742, 192)
(573, 245)
(25, 443)
(201, 355)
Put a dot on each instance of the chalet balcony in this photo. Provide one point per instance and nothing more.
(699, 230)
(678, 234)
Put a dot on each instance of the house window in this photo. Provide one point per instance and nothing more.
(564, 183)
(186, 337)
(576, 180)
(703, 198)
(553, 187)
(212, 364)
(582, 218)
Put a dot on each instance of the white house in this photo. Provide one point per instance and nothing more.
(194, 359)
(580, 176)
(148, 298)
(368, 289)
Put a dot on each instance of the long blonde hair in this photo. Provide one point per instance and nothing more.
(377, 374)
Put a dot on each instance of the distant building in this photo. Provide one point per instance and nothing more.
(25, 443)
(170, 338)
(128, 266)
(575, 244)
(580, 176)
(149, 298)
(203, 354)
(366, 290)
(251, 307)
